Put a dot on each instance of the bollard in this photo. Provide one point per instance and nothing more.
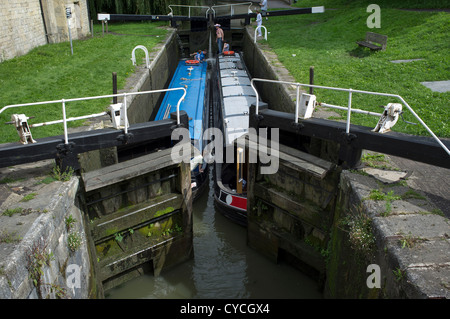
(311, 79)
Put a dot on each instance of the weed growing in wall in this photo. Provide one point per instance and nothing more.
(74, 241)
(359, 228)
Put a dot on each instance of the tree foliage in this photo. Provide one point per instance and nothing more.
(127, 7)
(135, 6)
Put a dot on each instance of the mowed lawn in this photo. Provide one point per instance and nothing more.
(50, 72)
(327, 41)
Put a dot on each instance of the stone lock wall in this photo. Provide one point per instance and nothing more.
(21, 28)
(52, 259)
(26, 24)
(56, 22)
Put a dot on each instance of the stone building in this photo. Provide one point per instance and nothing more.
(26, 24)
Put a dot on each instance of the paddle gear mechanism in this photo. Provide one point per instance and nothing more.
(21, 123)
(388, 118)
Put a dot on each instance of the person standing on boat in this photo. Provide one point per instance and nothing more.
(219, 37)
(259, 22)
(263, 5)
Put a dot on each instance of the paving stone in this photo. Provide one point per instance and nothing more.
(420, 253)
(405, 61)
(385, 176)
(430, 282)
(438, 86)
(426, 226)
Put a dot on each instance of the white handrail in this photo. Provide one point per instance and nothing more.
(349, 109)
(187, 6)
(211, 8)
(232, 5)
(69, 119)
(353, 110)
(265, 34)
(124, 95)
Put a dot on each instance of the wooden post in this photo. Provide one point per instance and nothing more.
(114, 83)
(311, 79)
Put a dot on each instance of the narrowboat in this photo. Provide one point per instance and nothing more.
(233, 96)
(193, 76)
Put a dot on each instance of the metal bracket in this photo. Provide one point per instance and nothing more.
(65, 149)
(258, 117)
(297, 126)
(125, 138)
(348, 137)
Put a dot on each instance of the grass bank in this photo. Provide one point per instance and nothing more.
(50, 72)
(327, 41)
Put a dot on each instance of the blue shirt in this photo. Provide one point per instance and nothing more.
(199, 56)
(264, 5)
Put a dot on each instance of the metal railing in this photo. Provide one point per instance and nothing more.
(124, 108)
(349, 106)
(232, 6)
(190, 7)
(211, 8)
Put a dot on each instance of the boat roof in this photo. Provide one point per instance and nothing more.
(237, 95)
(193, 78)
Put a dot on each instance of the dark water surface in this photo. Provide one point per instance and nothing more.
(223, 267)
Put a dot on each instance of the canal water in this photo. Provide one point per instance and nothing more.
(223, 267)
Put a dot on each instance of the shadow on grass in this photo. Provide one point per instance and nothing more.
(359, 52)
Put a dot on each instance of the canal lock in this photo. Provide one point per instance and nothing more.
(138, 211)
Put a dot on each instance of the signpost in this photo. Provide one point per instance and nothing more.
(68, 16)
